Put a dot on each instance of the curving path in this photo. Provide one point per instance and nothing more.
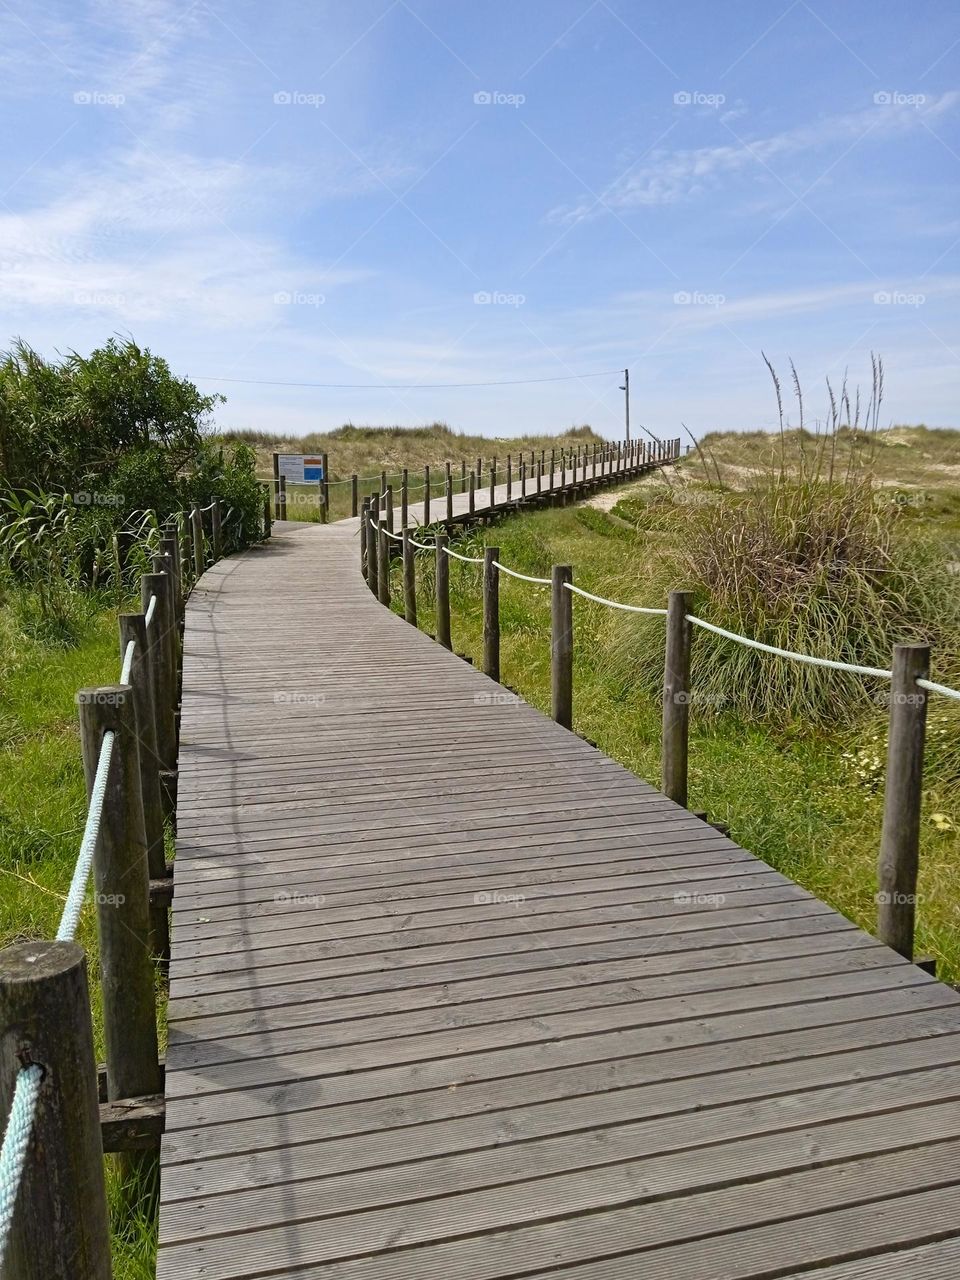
(454, 995)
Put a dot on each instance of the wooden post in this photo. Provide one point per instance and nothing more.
(354, 494)
(676, 698)
(122, 885)
(267, 520)
(443, 592)
(133, 629)
(523, 480)
(493, 484)
(196, 532)
(373, 551)
(390, 508)
(479, 471)
(553, 465)
(426, 495)
(364, 565)
(216, 530)
(162, 641)
(283, 497)
(539, 476)
(60, 1225)
(449, 479)
(491, 613)
(463, 474)
(472, 493)
(409, 580)
(509, 479)
(561, 646)
(383, 564)
(383, 484)
(169, 547)
(404, 498)
(900, 839)
(325, 489)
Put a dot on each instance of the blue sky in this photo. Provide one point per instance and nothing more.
(389, 192)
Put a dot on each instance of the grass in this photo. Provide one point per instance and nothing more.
(806, 799)
(42, 811)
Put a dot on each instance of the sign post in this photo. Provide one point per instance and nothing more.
(301, 468)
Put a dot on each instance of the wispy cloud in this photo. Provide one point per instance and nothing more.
(668, 176)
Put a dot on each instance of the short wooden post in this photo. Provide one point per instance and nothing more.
(561, 646)
(216, 530)
(277, 508)
(383, 564)
(169, 547)
(493, 485)
(196, 531)
(162, 642)
(426, 495)
(373, 550)
(383, 483)
(523, 480)
(267, 519)
(479, 471)
(122, 887)
(325, 489)
(509, 479)
(389, 504)
(472, 493)
(449, 479)
(553, 466)
(676, 698)
(364, 567)
(899, 861)
(463, 474)
(443, 592)
(491, 613)
(404, 498)
(283, 497)
(409, 580)
(539, 476)
(354, 495)
(60, 1228)
(133, 629)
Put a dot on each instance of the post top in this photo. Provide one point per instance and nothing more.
(27, 962)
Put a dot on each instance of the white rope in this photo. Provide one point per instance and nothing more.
(939, 688)
(614, 604)
(127, 666)
(16, 1141)
(151, 610)
(466, 559)
(540, 582)
(424, 546)
(788, 653)
(91, 833)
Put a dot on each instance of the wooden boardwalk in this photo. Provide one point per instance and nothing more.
(454, 995)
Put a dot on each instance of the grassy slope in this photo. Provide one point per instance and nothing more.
(798, 799)
(42, 811)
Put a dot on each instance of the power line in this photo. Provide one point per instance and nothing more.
(411, 386)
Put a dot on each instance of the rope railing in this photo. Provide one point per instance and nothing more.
(908, 674)
(130, 733)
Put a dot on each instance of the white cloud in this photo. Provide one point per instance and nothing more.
(670, 176)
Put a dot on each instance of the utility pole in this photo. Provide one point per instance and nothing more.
(626, 400)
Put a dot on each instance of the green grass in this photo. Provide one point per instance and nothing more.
(42, 811)
(807, 800)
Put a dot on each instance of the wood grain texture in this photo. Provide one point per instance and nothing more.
(453, 994)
